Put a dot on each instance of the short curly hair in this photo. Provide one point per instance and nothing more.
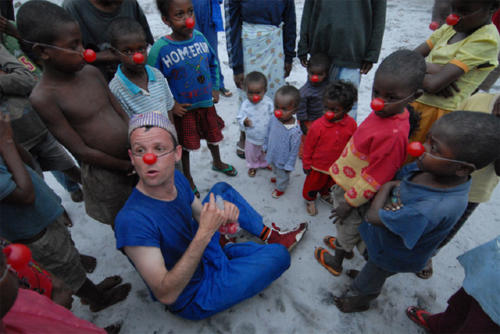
(342, 91)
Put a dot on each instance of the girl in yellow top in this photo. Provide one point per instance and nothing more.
(459, 58)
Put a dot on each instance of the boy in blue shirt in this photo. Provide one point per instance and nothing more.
(190, 65)
(408, 219)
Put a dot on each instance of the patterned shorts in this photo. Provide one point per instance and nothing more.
(197, 124)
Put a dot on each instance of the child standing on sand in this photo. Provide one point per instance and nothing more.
(188, 62)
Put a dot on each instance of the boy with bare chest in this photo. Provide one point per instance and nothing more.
(78, 108)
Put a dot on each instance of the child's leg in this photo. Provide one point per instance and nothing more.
(254, 156)
(348, 235)
(56, 253)
(186, 168)
(311, 187)
(366, 286)
(282, 178)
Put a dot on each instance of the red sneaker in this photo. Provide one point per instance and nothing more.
(288, 239)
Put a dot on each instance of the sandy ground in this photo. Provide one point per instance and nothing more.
(301, 300)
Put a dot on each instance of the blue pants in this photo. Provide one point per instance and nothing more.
(245, 269)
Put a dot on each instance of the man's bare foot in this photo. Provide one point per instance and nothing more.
(88, 262)
(106, 284)
(113, 329)
(112, 297)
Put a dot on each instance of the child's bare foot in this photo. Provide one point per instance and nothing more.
(222, 167)
(88, 262)
(113, 329)
(311, 208)
(111, 297)
(252, 172)
(354, 303)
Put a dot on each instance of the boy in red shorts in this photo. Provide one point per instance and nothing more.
(189, 63)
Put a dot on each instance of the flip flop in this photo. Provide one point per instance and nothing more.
(319, 254)
(415, 314)
(229, 171)
(330, 242)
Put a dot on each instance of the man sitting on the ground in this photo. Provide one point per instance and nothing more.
(172, 238)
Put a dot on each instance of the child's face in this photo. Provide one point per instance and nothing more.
(395, 94)
(286, 104)
(335, 107)
(473, 14)
(178, 12)
(127, 46)
(255, 88)
(439, 158)
(70, 59)
(319, 71)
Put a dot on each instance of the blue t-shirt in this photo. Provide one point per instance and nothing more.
(412, 233)
(20, 221)
(169, 226)
(190, 67)
(482, 274)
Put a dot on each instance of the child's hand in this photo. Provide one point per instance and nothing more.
(247, 122)
(303, 128)
(366, 66)
(288, 69)
(215, 96)
(449, 90)
(341, 211)
(393, 200)
(303, 61)
(306, 171)
(179, 109)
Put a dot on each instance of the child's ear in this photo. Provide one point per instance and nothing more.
(464, 170)
(165, 20)
(418, 93)
(40, 51)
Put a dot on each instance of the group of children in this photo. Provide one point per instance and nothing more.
(397, 215)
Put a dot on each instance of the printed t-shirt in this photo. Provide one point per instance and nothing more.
(190, 67)
(412, 233)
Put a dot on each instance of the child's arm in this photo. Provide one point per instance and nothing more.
(214, 73)
(294, 152)
(379, 202)
(379, 9)
(58, 125)
(312, 140)
(242, 117)
(24, 192)
(15, 79)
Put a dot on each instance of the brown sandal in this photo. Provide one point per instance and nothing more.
(252, 172)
